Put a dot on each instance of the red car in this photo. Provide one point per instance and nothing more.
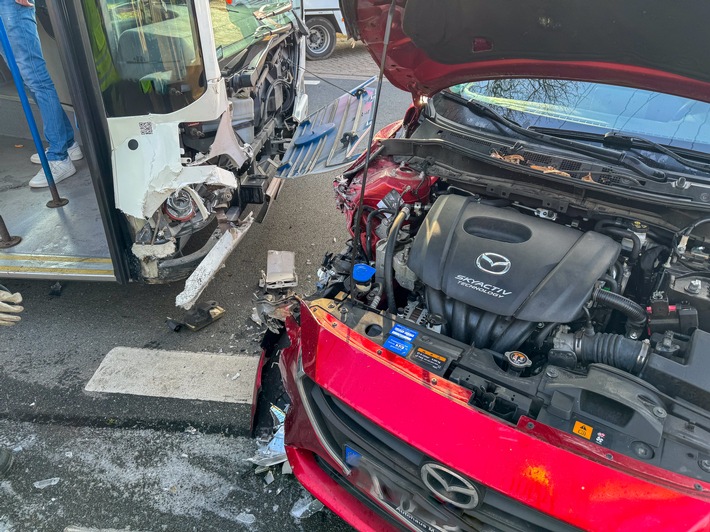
(515, 338)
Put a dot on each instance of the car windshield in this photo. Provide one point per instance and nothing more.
(596, 108)
(238, 24)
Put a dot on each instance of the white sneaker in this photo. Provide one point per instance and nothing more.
(60, 171)
(74, 151)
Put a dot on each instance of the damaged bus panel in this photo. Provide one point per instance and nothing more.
(184, 110)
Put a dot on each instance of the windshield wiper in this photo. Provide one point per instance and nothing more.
(627, 141)
(620, 158)
(615, 137)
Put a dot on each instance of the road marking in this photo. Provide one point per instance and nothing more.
(177, 374)
(312, 82)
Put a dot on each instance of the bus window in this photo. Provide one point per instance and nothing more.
(147, 55)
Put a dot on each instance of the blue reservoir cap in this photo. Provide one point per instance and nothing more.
(363, 273)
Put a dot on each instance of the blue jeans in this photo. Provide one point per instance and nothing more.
(21, 27)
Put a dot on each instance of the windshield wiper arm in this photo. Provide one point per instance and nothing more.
(621, 158)
(615, 137)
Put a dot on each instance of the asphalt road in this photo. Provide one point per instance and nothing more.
(155, 479)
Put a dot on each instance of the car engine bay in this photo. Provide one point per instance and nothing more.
(593, 325)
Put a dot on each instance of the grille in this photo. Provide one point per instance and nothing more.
(341, 425)
(537, 158)
(570, 166)
(607, 178)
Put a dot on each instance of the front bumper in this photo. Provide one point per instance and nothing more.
(348, 391)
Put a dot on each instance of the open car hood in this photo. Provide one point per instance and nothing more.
(649, 44)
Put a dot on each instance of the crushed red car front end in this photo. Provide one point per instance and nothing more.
(365, 423)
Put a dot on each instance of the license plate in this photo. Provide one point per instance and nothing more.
(408, 508)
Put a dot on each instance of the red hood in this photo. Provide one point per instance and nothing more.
(649, 44)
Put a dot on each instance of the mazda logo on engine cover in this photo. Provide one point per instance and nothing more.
(493, 263)
(449, 486)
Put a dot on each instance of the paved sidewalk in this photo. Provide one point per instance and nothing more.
(345, 61)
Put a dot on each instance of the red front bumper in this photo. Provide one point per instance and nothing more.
(553, 474)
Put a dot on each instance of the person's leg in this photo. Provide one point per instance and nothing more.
(21, 27)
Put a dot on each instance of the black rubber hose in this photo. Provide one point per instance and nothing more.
(655, 235)
(625, 233)
(389, 260)
(613, 350)
(636, 313)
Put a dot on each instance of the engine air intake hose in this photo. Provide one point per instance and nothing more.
(613, 350)
(636, 313)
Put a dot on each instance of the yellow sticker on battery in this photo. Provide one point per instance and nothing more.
(583, 430)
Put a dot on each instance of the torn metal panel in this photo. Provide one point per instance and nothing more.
(156, 171)
(226, 143)
(211, 264)
(147, 157)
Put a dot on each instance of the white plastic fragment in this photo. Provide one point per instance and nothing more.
(286, 468)
(305, 507)
(255, 317)
(41, 484)
(269, 478)
(246, 519)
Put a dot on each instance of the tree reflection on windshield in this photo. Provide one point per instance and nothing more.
(594, 107)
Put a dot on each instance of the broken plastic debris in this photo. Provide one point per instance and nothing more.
(305, 507)
(191, 430)
(236, 376)
(277, 415)
(246, 519)
(269, 478)
(274, 311)
(286, 468)
(69, 454)
(255, 317)
(276, 445)
(273, 452)
(41, 484)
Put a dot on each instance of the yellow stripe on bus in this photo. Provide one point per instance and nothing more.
(51, 258)
(70, 271)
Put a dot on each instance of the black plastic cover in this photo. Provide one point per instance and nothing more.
(688, 379)
(509, 263)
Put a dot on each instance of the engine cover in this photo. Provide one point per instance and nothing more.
(508, 263)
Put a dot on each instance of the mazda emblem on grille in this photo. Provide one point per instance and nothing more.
(493, 263)
(449, 486)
